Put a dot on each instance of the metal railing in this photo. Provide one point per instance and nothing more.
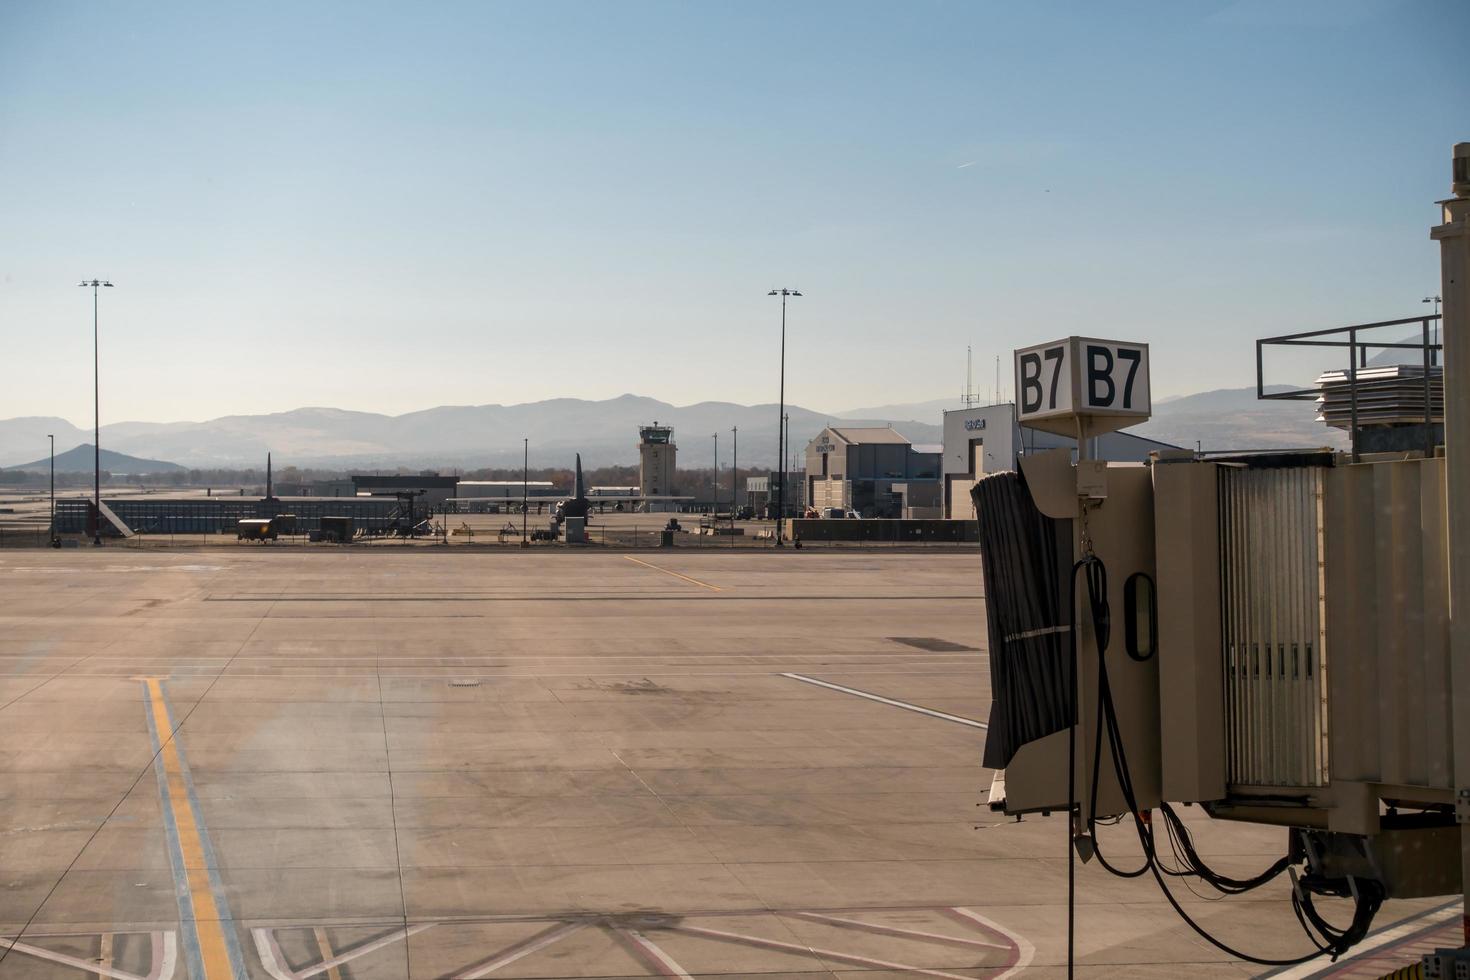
(1357, 350)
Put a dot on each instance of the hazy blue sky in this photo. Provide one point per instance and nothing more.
(398, 205)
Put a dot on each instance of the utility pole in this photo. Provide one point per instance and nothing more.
(781, 419)
(1453, 236)
(96, 418)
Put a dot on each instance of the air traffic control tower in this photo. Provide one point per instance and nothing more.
(656, 451)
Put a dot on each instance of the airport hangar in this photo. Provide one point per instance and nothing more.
(874, 471)
(986, 439)
(880, 473)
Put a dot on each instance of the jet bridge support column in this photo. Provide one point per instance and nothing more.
(1454, 243)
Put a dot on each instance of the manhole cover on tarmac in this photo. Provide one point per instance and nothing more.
(933, 644)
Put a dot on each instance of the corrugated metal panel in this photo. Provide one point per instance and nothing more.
(1388, 603)
(831, 493)
(1272, 620)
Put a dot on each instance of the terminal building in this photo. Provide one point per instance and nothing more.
(987, 439)
(762, 492)
(874, 471)
(432, 488)
(506, 489)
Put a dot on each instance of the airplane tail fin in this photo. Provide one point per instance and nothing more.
(579, 491)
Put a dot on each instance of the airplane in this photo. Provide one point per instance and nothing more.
(575, 506)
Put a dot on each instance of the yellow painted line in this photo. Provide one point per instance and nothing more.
(214, 951)
(692, 581)
(324, 946)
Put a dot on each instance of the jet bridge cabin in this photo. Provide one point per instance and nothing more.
(1265, 634)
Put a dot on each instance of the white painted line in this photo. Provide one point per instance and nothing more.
(275, 962)
(933, 937)
(353, 952)
(519, 951)
(271, 956)
(831, 954)
(882, 700)
(86, 966)
(1025, 952)
(165, 954)
(665, 964)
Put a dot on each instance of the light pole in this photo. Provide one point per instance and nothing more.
(786, 460)
(734, 475)
(52, 532)
(525, 487)
(780, 419)
(716, 479)
(96, 418)
(1436, 301)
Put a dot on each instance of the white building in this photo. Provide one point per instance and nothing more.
(875, 471)
(987, 439)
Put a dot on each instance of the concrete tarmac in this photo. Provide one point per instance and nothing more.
(385, 765)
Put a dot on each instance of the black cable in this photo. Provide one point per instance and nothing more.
(1072, 787)
(1021, 562)
(1370, 894)
(1102, 628)
(1200, 869)
(1101, 617)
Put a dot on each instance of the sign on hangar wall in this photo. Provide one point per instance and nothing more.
(1104, 384)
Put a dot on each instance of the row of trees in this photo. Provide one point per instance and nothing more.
(697, 483)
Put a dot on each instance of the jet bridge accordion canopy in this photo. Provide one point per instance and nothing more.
(1027, 618)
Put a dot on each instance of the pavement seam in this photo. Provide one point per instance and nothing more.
(393, 815)
(689, 829)
(147, 768)
(112, 641)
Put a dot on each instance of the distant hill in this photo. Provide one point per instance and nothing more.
(605, 433)
(1233, 418)
(930, 411)
(25, 437)
(83, 458)
(467, 436)
(1224, 418)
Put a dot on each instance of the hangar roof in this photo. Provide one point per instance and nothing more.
(874, 434)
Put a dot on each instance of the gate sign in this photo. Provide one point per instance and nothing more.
(1103, 383)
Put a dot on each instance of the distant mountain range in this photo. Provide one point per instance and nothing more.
(1225, 418)
(1233, 418)
(604, 432)
(83, 458)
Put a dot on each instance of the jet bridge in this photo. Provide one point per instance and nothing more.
(1278, 638)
